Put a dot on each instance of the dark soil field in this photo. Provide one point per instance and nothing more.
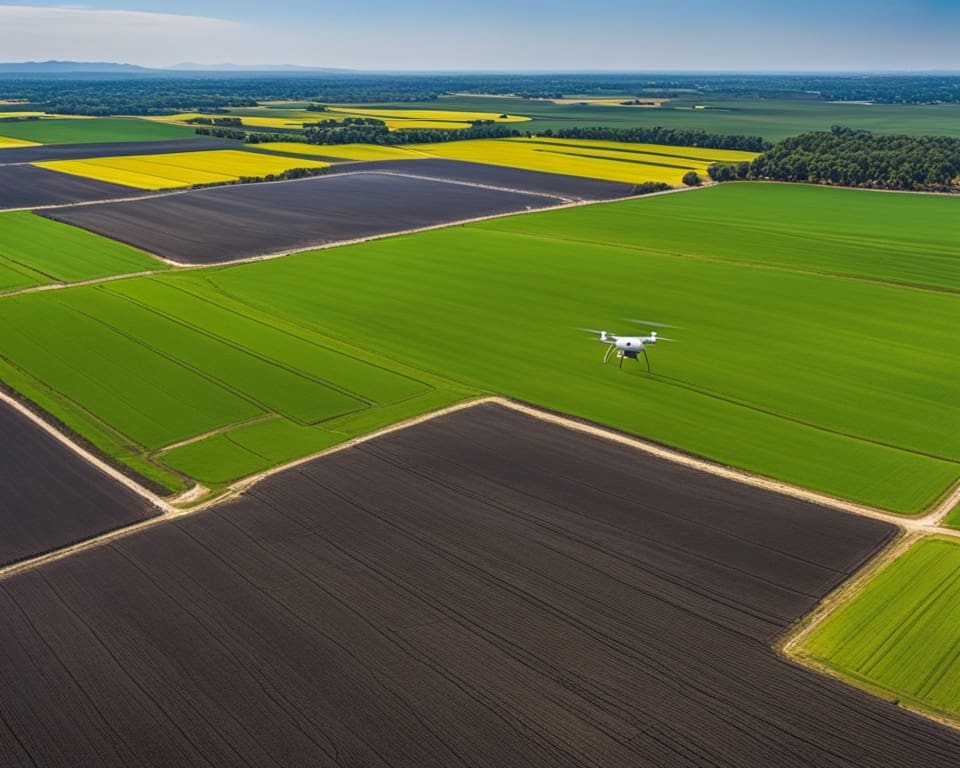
(25, 186)
(51, 497)
(570, 187)
(111, 149)
(480, 590)
(240, 221)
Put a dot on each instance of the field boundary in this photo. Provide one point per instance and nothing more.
(923, 525)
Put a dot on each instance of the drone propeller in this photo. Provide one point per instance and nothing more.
(602, 336)
(649, 322)
(664, 338)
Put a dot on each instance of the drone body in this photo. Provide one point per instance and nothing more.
(630, 347)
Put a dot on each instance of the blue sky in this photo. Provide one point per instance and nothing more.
(493, 34)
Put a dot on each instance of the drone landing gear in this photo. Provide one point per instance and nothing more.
(633, 354)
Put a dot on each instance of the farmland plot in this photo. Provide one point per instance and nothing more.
(37, 251)
(70, 130)
(143, 369)
(6, 142)
(900, 634)
(482, 603)
(178, 169)
(610, 160)
(215, 225)
(30, 154)
(25, 186)
(51, 496)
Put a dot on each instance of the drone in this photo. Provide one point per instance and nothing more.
(630, 346)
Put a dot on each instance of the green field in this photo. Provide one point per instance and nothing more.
(900, 635)
(952, 520)
(37, 251)
(848, 385)
(771, 118)
(95, 129)
(139, 367)
(897, 238)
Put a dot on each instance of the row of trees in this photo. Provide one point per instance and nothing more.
(376, 132)
(225, 122)
(681, 137)
(364, 131)
(851, 158)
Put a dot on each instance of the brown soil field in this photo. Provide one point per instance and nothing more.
(242, 221)
(482, 589)
(51, 497)
(25, 186)
(574, 188)
(111, 149)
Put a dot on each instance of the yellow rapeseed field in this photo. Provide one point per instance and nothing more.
(248, 122)
(344, 151)
(437, 115)
(610, 160)
(179, 169)
(6, 142)
(395, 119)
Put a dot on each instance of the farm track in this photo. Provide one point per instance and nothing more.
(508, 592)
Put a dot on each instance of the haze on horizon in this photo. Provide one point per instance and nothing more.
(637, 35)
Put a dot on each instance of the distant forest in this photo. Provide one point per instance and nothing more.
(850, 158)
(161, 93)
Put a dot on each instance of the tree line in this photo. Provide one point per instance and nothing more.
(854, 158)
(366, 131)
(680, 137)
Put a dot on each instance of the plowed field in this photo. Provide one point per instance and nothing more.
(481, 590)
(216, 225)
(51, 497)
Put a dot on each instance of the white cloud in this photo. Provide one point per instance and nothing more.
(29, 33)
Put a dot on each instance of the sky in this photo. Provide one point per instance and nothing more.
(566, 35)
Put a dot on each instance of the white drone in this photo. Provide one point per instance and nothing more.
(630, 346)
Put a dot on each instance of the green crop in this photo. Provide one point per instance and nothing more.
(95, 129)
(806, 353)
(900, 633)
(36, 251)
